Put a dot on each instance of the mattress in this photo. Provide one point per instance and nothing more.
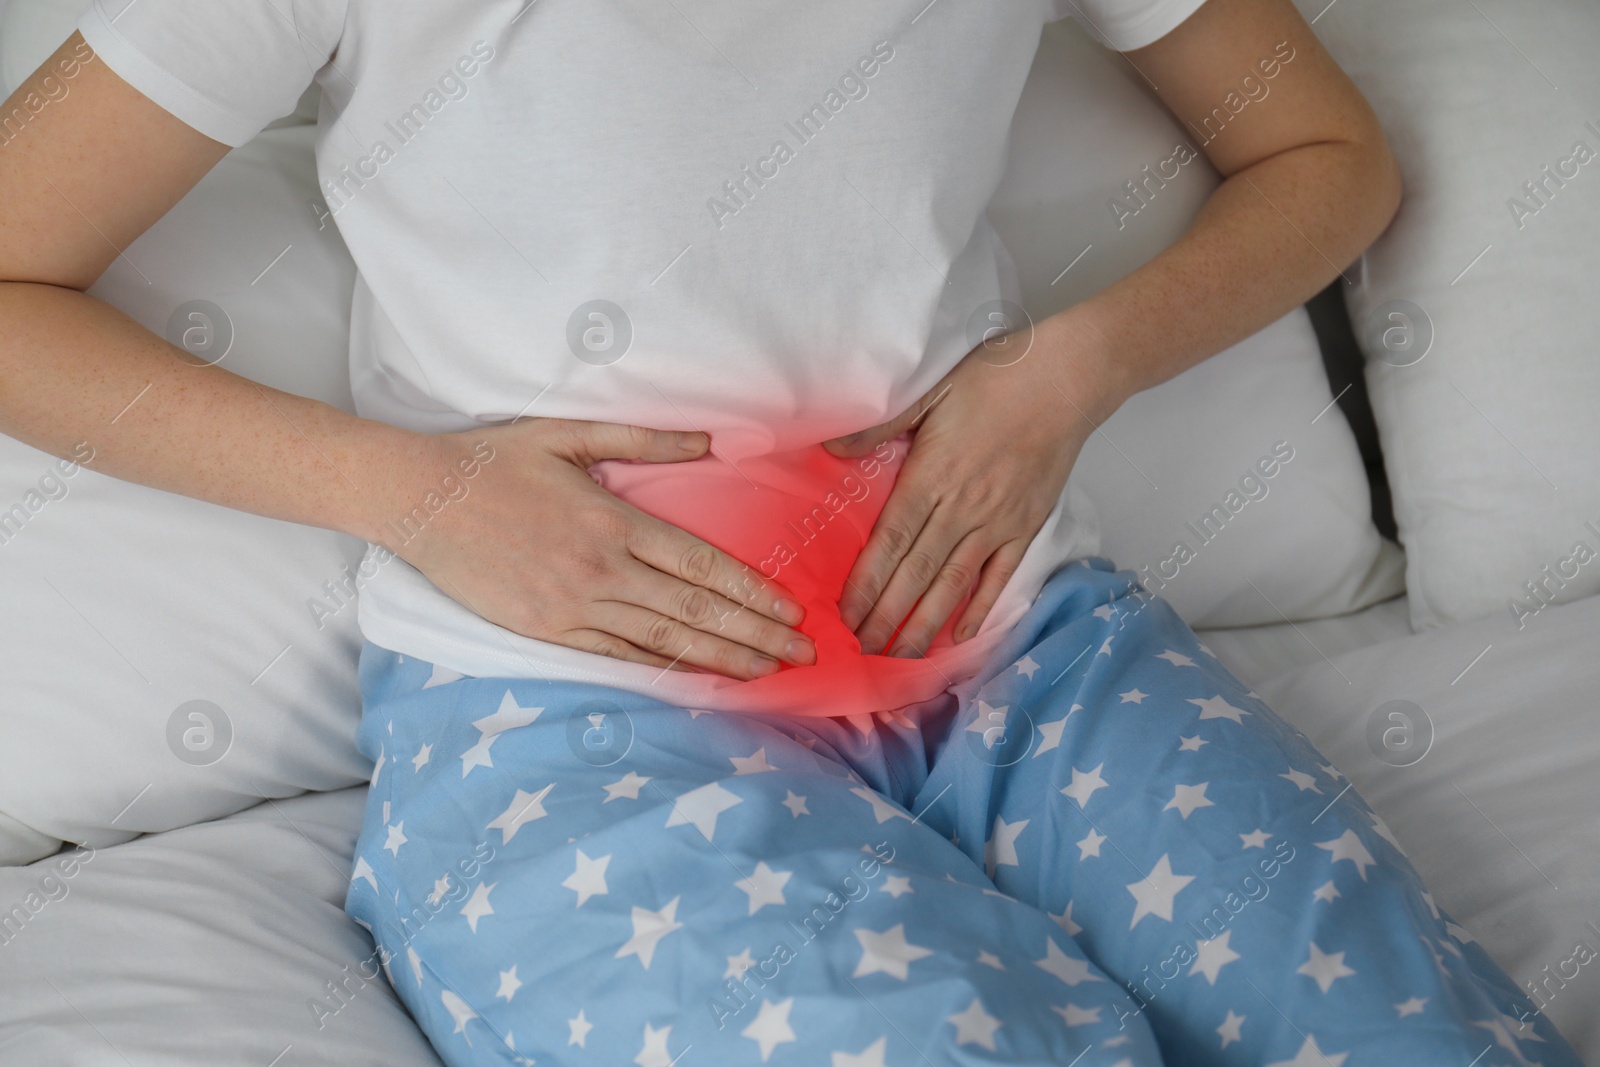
(226, 942)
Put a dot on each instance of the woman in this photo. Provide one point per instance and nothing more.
(730, 692)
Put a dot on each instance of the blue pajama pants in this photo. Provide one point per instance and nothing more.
(1102, 851)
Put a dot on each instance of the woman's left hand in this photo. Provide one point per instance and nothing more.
(993, 444)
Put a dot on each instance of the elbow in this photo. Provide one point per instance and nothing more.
(1385, 188)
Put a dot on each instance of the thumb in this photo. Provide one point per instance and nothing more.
(861, 442)
(587, 443)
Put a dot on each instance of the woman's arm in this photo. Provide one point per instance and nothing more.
(87, 175)
(1309, 183)
(538, 547)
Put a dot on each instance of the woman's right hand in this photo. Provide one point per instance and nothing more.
(533, 544)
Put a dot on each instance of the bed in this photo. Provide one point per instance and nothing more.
(189, 910)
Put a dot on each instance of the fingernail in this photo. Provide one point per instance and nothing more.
(850, 616)
(788, 611)
(852, 440)
(904, 652)
(765, 666)
(800, 651)
(689, 442)
(964, 633)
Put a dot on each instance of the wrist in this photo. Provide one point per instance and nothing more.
(1084, 363)
(395, 468)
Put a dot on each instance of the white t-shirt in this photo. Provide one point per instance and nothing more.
(761, 219)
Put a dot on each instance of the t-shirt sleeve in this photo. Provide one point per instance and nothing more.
(226, 67)
(1126, 24)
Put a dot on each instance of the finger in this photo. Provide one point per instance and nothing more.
(899, 524)
(860, 443)
(673, 551)
(587, 443)
(706, 611)
(996, 573)
(668, 637)
(605, 644)
(915, 572)
(948, 588)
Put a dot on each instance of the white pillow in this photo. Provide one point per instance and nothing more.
(1490, 439)
(1306, 546)
(133, 611)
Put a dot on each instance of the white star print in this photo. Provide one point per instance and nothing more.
(477, 906)
(1177, 659)
(1084, 784)
(1186, 798)
(441, 676)
(386, 813)
(871, 1056)
(888, 952)
(1326, 891)
(649, 927)
(751, 764)
(396, 837)
(377, 766)
(989, 959)
(1132, 696)
(1218, 708)
(1090, 846)
(1191, 744)
(1156, 891)
(578, 1028)
(1324, 968)
(990, 722)
(881, 807)
(1026, 666)
(1427, 898)
(654, 1051)
(625, 788)
(771, 1027)
(460, 1011)
(795, 804)
(1213, 955)
(1069, 969)
(1459, 932)
(700, 807)
(1105, 611)
(974, 1026)
(588, 879)
(764, 887)
(416, 964)
(509, 984)
(523, 809)
(1229, 1030)
(440, 888)
(1105, 646)
(1312, 1056)
(1347, 846)
(1501, 1029)
(420, 760)
(509, 716)
(1064, 920)
(896, 886)
(1413, 1006)
(1302, 781)
(1001, 849)
(1050, 732)
(1073, 1015)
(739, 964)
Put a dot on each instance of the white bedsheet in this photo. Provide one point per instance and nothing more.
(202, 947)
(1500, 815)
(207, 945)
